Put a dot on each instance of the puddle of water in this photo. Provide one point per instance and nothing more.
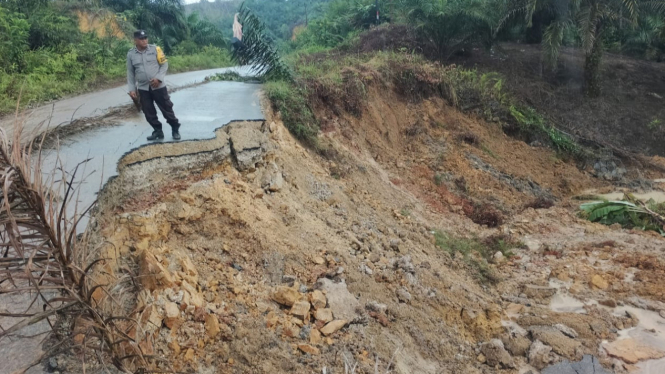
(565, 303)
(649, 321)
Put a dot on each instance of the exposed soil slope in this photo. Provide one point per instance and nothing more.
(275, 260)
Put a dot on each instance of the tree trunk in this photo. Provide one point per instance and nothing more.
(592, 69)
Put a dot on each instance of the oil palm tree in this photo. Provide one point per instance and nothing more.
(204, 32)
(590, 19)
(452, 25)
(154, 16)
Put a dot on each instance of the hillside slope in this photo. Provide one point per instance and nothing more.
(422, 237)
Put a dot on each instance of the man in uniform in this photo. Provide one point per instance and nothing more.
(146, 67)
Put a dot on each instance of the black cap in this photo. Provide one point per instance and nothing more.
(140, 34)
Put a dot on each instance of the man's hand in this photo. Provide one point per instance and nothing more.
(154, 82)
(132, 94)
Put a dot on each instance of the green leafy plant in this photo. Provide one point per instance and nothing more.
(629, 212)
(530, 120)
(655, 124)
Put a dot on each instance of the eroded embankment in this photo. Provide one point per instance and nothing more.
(421, 244)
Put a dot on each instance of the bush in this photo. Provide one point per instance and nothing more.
(50, 30)
(186, 47)
(291, 102)
(14, 32)
(208, 58)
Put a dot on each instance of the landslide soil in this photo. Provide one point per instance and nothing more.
(399, 174)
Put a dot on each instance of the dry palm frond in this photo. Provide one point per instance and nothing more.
(43, 258)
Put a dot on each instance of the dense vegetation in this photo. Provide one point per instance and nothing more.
(44, 54)
(445, 28)
(279, 16)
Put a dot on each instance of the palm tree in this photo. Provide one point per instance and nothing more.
(204, 32)
(591, 19)
(453, 25)
(162, 18)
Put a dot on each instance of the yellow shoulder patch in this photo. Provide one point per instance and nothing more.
(161, 57)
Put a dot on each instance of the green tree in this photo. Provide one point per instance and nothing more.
(450, 26)
(162, 18)
(14, 33)
(204, 32)
(23, 6)
(591, 20)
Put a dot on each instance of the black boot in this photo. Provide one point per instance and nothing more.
(156, 135)
(176, 135)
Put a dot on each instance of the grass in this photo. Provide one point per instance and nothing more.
(655, 124)
(208, 58)
(477, 253)
(531, 121)
(489, 152)
(290, 100)
(438, 179)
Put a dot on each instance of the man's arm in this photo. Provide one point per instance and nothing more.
(131, 79)
(163, 65)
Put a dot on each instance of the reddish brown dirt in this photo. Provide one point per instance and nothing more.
(423, 147)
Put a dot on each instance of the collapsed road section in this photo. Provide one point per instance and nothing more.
(100, 144)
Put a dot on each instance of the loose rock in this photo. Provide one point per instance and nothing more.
(403, 295)
(300, 309)
(318, 299)
(340, 300)
(599, 282)
(333, 327)
(496, 354)
(540, 355)
(632, 351)
(517, 345)
(286, 296)
(568, 331)
(560, 343)
(538, 292)
(212, 326)
(309, 349)
(325, 315)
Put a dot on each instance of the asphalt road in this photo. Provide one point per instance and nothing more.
(95, 104)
